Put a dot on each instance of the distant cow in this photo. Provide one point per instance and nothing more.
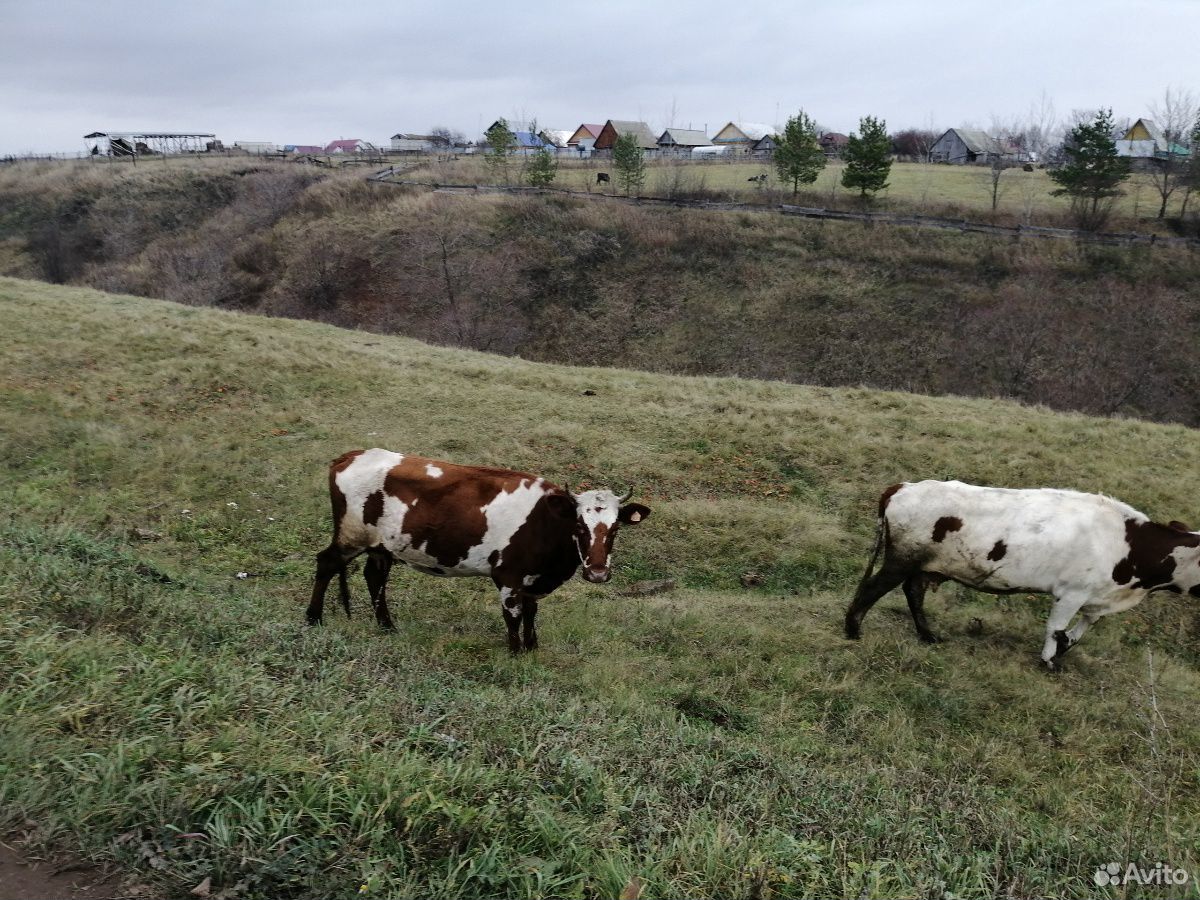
(526, 534)
(760, 179)
(1094, 554)
(601, 178)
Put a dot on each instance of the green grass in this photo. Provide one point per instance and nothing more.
(159, 712)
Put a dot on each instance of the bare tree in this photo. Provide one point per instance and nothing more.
(1174, 115)
(914, 143)
(1001, 157)
(1191, 173)
(446, 139)
(1041, 129)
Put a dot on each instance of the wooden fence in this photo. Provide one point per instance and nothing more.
(1016, 232)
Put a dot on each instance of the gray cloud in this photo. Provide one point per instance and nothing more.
(296, 73)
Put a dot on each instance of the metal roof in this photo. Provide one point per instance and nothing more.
(1152, 129)
(526, 140)
(556, 136)
(149, 134)
(977, 141)
(589, 129)
(685, 137)
(640, 130)
(752, 130)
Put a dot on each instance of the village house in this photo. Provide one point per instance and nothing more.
(764, 147)
(615, 128)
(583, 139)
(681, 141)
(525, 143)
(741, 137)
(833, 143)
(557, 138)
(1144, 140)
(353, 145)
(413, 143)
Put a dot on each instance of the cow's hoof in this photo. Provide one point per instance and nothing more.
(1062, 642)
(930, 638)
(314, 621)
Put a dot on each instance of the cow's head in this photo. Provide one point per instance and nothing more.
(596, 516)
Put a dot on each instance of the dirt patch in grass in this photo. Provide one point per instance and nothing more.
(23, 878)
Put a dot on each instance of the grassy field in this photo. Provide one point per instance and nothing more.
(913, 187)
(916, 187)
(159, 712)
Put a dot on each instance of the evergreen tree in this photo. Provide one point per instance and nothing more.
(799, 158)
(630, 163)
(543, 168)
(500, 142)
(1092, 173)
(868, 157)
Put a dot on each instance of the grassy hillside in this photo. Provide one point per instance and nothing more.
(721, 741)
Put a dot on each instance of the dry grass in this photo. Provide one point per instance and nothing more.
(930, 189)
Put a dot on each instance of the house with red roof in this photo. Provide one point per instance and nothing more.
(354, 145)
(584, 137)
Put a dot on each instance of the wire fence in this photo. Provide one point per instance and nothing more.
(1015, 232)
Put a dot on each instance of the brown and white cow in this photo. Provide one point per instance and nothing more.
(1094, 554)
(528, 535)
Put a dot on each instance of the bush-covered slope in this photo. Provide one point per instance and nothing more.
(1100, 330)
(715, 741)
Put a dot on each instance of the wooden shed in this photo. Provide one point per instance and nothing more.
(968, 146)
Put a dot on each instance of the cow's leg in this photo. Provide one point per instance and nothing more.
(528, 614)
(914, 590)
(330, 562)
(376, 571)
(512, 608)
(888, 577)
(1057, 640)
(1087, 619)
(344, 590)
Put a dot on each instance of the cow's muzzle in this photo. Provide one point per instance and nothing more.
(597, 575)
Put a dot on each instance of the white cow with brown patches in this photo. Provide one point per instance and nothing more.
(525, 533)
(1095, 555)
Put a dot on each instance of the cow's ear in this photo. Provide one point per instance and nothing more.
(632, 513)
(562, 505)
(1177, 525)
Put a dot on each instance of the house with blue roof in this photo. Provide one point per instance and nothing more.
(527, 143)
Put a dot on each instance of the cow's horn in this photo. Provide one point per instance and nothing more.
(625, 496)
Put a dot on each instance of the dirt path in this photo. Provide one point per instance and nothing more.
(23, 879)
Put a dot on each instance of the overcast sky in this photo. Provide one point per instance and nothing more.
(308, 73)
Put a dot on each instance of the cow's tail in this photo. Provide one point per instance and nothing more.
(880, 539)
(344, 587)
